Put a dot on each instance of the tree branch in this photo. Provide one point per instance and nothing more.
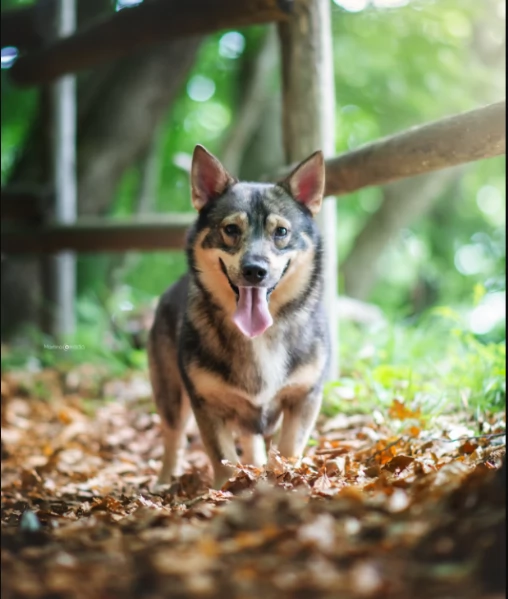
(141, 26)
(448, 142)
(27, 28)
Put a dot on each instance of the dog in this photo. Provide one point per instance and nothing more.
(242, 340)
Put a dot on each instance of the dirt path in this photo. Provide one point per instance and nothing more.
(368, 513)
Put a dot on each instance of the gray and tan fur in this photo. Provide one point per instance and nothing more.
(259, 240)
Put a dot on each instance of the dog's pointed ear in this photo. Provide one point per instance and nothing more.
(307, 182)
(209, 179)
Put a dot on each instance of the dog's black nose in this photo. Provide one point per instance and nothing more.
(254, 272)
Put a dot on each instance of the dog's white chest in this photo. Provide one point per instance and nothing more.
(271, 362)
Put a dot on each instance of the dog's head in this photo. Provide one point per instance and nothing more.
(253, 245)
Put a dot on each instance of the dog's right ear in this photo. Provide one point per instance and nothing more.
(209, 179)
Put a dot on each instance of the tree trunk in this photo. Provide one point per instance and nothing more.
(265, 148)
(403, 202)
(255, 95)
(119, 128)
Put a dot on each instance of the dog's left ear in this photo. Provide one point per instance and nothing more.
(209, 179)
(307, 182)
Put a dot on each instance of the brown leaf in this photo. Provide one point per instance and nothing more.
(399, 462)
(399, 411)
(468, 447)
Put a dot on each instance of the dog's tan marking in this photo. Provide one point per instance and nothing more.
(211, 275)
(211, 385)
(295, 279)
(304, 378)
(239, 219)
(276, 220)
(272, 222)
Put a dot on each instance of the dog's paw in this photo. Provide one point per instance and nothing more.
(222, 475)
(164, 485)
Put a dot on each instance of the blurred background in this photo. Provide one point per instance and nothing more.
(424, 256)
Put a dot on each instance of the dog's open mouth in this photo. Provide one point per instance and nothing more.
(252, 315)
(237, 290)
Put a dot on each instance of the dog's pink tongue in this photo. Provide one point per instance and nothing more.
(252, 316)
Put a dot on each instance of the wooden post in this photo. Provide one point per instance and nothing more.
(308, 96)
(64, 156)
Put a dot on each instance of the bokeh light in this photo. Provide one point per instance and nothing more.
(200, 88)
(231, 45)
(8, 56)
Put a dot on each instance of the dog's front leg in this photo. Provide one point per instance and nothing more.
(218, 440)
(174, 442)
(299, 417)
(253, 449)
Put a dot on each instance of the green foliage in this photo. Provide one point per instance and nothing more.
(434, 364)
(18, 109)
(396, 68)
(101, 339)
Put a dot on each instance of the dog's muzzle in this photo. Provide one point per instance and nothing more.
(252, 315)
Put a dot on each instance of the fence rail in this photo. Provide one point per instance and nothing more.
(158, 232)
(138, 27)
(455, 140)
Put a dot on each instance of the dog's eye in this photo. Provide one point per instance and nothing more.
(281, 232)
(232, 230)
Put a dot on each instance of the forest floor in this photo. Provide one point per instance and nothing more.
(383, 505)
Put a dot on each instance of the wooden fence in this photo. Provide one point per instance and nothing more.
(451, 141)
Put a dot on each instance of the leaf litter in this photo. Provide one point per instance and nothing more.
(378, 507)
